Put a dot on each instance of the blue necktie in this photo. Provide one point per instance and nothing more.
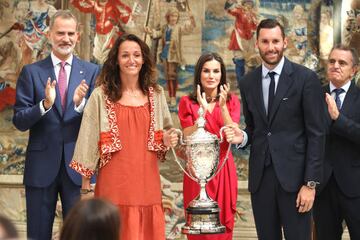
(337, 92)
(271, 91)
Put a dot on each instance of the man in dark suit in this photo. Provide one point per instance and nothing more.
(339, 195)
(52, 110)
(281, 104)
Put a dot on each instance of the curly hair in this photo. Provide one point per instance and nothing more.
(206, 57)
(110, 79)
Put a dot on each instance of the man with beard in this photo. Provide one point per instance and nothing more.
(50, 98)
(282, 104)
(339, 195)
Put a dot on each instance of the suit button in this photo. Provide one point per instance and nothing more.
(269, 134)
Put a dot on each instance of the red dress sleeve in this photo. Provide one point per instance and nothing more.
(187, 112)
(234, 108)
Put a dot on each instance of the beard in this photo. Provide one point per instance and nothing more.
(64, 50)
(272, 61)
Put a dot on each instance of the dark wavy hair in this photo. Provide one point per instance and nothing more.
(198, 69)
(110, 79)
(92, 219)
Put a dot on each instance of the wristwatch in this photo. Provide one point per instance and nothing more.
(311, 184)
(85, 191)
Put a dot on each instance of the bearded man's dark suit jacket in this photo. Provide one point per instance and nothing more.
(52, 137)
(293, 135)
(341, 168)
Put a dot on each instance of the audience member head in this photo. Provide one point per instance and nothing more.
(111, 75)
(92, 219)
(7, 229)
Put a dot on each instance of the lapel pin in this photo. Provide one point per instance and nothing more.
(81, 72)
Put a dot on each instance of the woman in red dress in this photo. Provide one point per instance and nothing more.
(221, 108)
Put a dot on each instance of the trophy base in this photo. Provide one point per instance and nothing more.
(202, 221)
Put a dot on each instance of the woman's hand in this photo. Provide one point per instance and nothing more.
(201, 98)
(86, 191)
(224, 91)
(170, 138)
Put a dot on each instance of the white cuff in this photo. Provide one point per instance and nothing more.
(80, 108)
(42, 108)
(245, 140)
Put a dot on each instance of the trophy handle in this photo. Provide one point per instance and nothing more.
(226, 156)
(221, 133)
(181, 140)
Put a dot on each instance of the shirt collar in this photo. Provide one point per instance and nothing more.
(345, 87)
(277, 69)
(55, 60)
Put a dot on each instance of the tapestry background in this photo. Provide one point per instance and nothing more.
(312, 28)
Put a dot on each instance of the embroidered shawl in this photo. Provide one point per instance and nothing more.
(99, 134)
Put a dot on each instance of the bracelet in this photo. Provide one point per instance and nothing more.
(86, 191)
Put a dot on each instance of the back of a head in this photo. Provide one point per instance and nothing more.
(92, 219)
(7, 229)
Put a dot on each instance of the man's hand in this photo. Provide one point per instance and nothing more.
(50, 94)
(170, 138)
(305, 199)
(332, 108)
(234, 134)
(80, 93)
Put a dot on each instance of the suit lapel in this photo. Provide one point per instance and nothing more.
(349, 100)
(285, 81)
(328, 118)
(258, 93)
(76, 76)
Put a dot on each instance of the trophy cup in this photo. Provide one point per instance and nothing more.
(202, 164)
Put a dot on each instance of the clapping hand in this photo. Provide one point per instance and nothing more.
(332, 108)
(80, 93)
(201, 98)
(50, 93)
(224, 90)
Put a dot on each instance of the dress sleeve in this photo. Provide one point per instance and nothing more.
(186, 115)
(234, 108)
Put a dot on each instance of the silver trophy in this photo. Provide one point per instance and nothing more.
(202, 164)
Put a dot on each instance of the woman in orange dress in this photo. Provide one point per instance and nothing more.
(122, 137)
(221, 108)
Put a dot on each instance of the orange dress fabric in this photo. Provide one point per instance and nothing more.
(131, 180)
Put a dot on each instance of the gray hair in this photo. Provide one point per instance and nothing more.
(64, 14)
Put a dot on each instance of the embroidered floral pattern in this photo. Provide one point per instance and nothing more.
(158, 136)
(81, 169)
(109, 141)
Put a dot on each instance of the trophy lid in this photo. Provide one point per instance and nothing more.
(201, 135)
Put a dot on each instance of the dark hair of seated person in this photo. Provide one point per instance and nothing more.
(7, 229)
(92, 219)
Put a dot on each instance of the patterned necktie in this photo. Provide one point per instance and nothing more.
(271, 91)
(337, 92)
(62, 84)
